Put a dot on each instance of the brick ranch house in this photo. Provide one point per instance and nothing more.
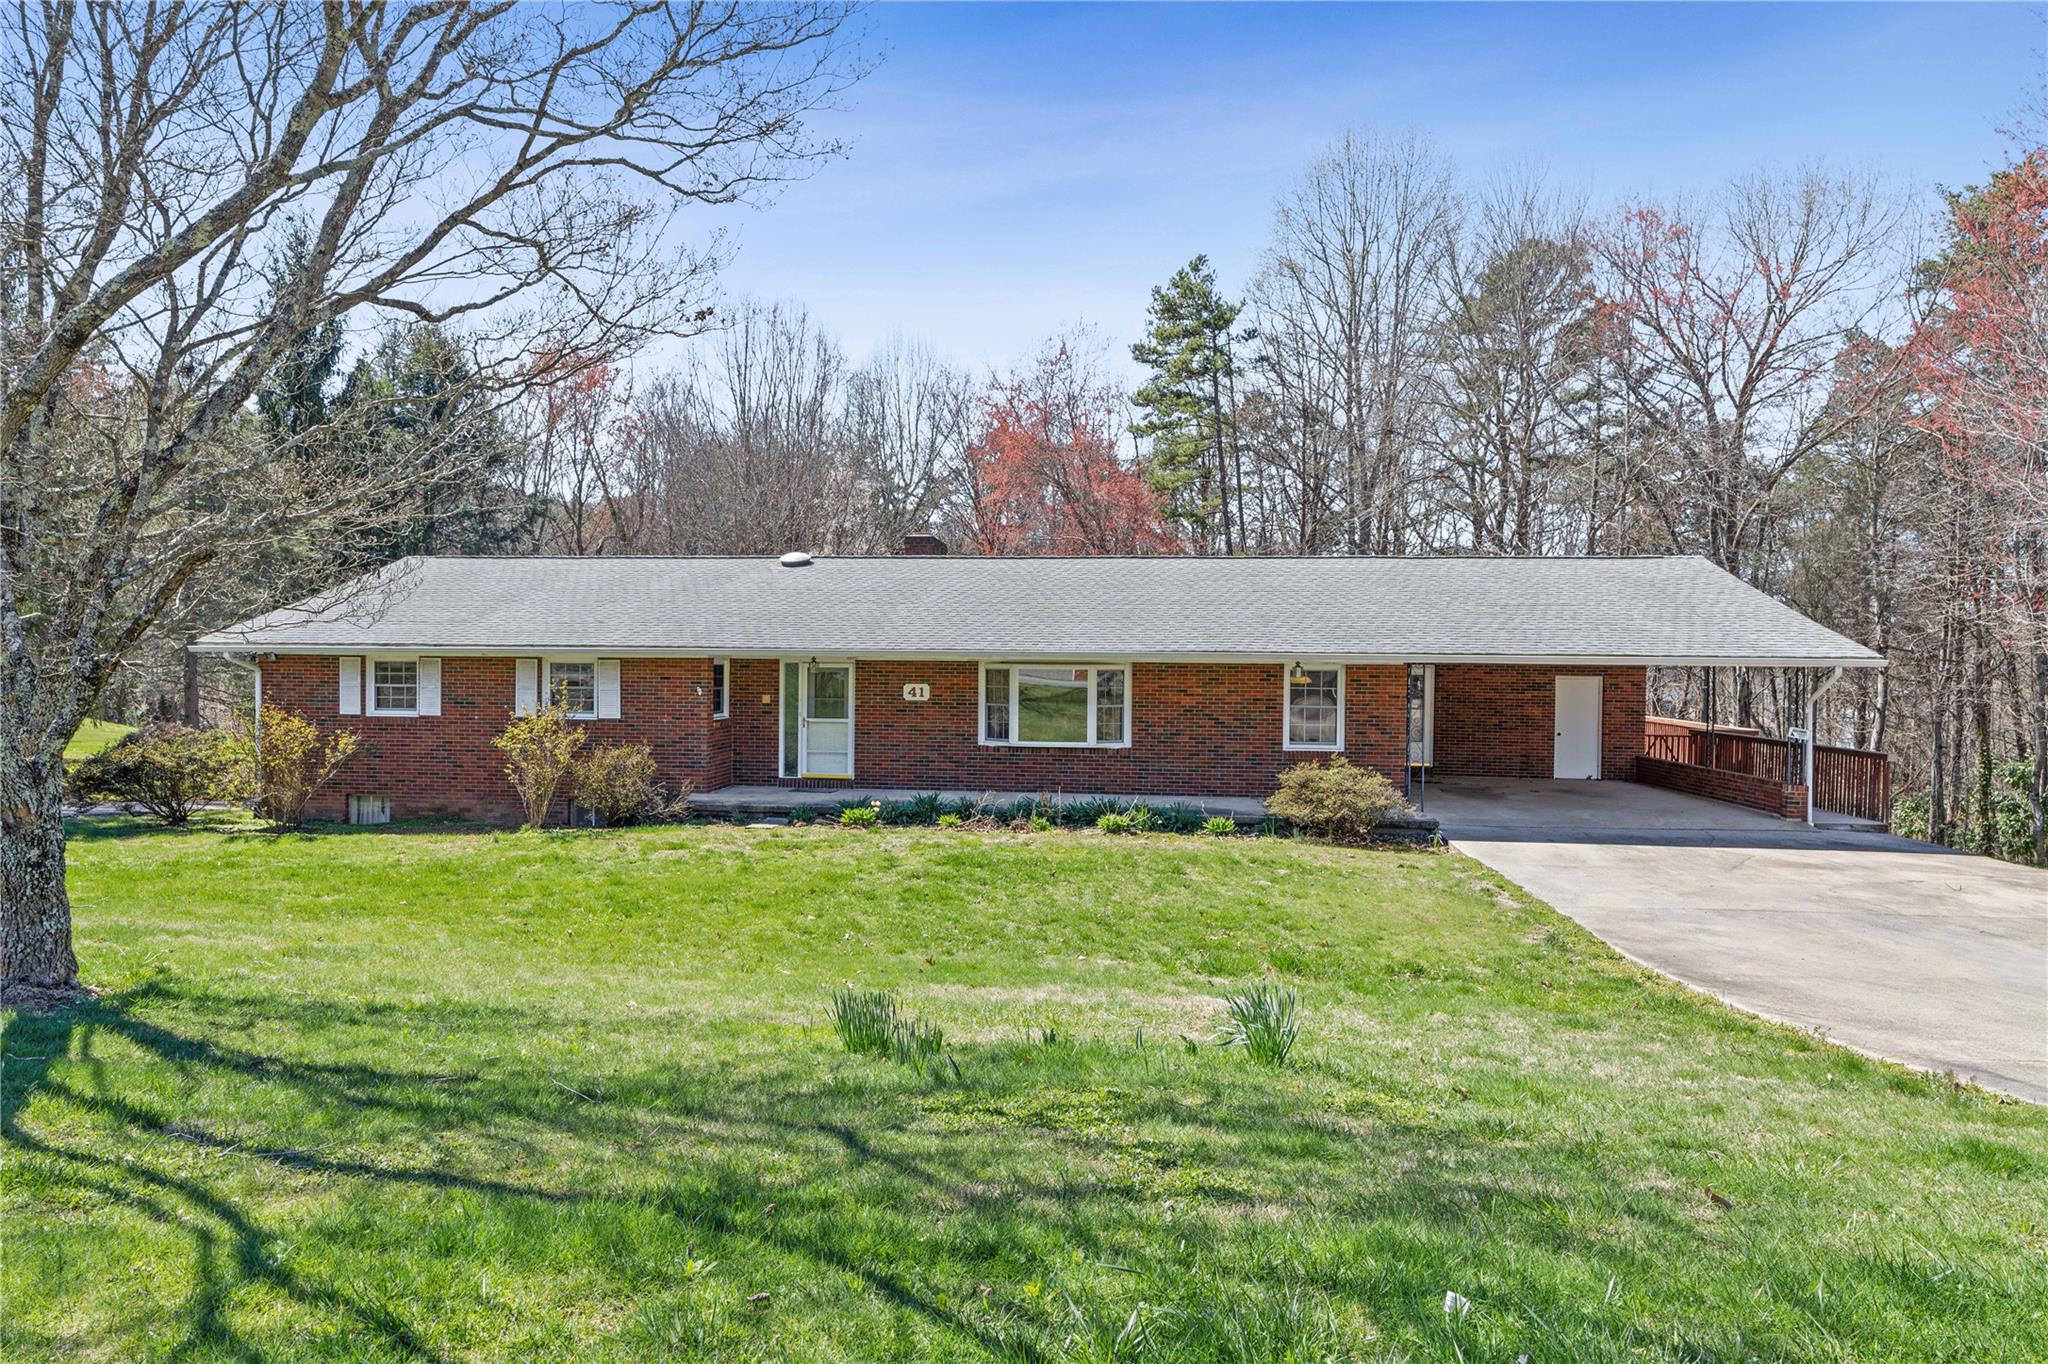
(1169, 677)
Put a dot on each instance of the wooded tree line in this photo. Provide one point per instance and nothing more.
(1782, 376)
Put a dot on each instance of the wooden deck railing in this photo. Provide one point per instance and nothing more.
(1846, 781)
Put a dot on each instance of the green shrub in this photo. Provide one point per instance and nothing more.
(1219, 826)
(167, 770)
(540, 754)
(949, 821)
(1178, 819)
(1082, 814)
(1334, 800)
(1040, 824)
(618, 783)
(1141, 819)
(1261, 1020)
(860, 816)
(288, 762)
(1115, 822)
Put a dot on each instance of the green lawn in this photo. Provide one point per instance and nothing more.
(95, 736)
(402, 1094)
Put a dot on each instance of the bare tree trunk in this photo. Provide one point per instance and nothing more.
(37, 968)
(2038, 797)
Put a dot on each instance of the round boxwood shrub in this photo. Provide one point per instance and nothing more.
(1334, 800)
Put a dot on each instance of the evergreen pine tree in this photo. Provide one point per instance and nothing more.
(1190, 406)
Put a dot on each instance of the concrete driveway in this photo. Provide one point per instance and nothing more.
(1906, 951)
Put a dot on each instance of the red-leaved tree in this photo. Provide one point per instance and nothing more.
(1042, 473)
(1979, 364)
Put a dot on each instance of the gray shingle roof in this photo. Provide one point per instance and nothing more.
(1416, 609)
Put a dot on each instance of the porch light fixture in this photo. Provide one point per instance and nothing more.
(1299, 677)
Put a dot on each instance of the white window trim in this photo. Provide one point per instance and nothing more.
(1287, 744)
(547, 682)
(721, 706)
(981, 704)
(370, 662)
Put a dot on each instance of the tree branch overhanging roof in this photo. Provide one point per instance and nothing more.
(1616, 611)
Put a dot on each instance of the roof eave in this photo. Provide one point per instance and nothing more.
(215, 645)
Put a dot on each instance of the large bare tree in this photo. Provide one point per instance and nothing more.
(510, 170)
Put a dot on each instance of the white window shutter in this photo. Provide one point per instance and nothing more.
(351, 685)
(430, 686)
(607, 689)
(525, 685)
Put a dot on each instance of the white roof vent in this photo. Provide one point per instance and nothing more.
(796, 558)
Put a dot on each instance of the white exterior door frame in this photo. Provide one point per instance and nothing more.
(825, 741)
(1575, 753)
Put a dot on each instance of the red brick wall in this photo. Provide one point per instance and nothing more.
(445, 765)
(1737, 788)
(1196, 729)
(1500, 720)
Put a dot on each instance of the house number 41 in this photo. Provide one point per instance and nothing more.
(917, 691)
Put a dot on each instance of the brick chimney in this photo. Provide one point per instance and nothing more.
(922, 542)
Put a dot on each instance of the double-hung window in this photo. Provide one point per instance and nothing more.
(1055, 705)
(394, 686)
(1315, 706)
(574, 685)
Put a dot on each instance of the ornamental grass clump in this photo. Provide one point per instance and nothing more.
(1261, 1019)
(864, 1020)
(1334, 800)
(872, 1023)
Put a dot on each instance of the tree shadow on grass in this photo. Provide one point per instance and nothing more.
(231, 1248)
(1436, 1208)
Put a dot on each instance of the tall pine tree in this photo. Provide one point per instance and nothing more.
(1190, 407)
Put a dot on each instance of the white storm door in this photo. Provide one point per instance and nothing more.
(827, 729)
(1576, 756)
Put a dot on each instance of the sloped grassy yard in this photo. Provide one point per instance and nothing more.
(406, 1094)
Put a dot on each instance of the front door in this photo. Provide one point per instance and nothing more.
(1576, 756)
(827, 729)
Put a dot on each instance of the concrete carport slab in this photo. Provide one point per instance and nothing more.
(1914, 953)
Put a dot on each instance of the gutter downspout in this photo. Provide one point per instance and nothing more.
(1811, 738)
(248, 666)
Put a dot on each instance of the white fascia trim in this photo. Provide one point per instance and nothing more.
(1063, 656)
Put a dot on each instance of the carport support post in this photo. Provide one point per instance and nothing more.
(1812, 695)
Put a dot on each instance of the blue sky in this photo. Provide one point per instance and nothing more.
(1017, 168)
